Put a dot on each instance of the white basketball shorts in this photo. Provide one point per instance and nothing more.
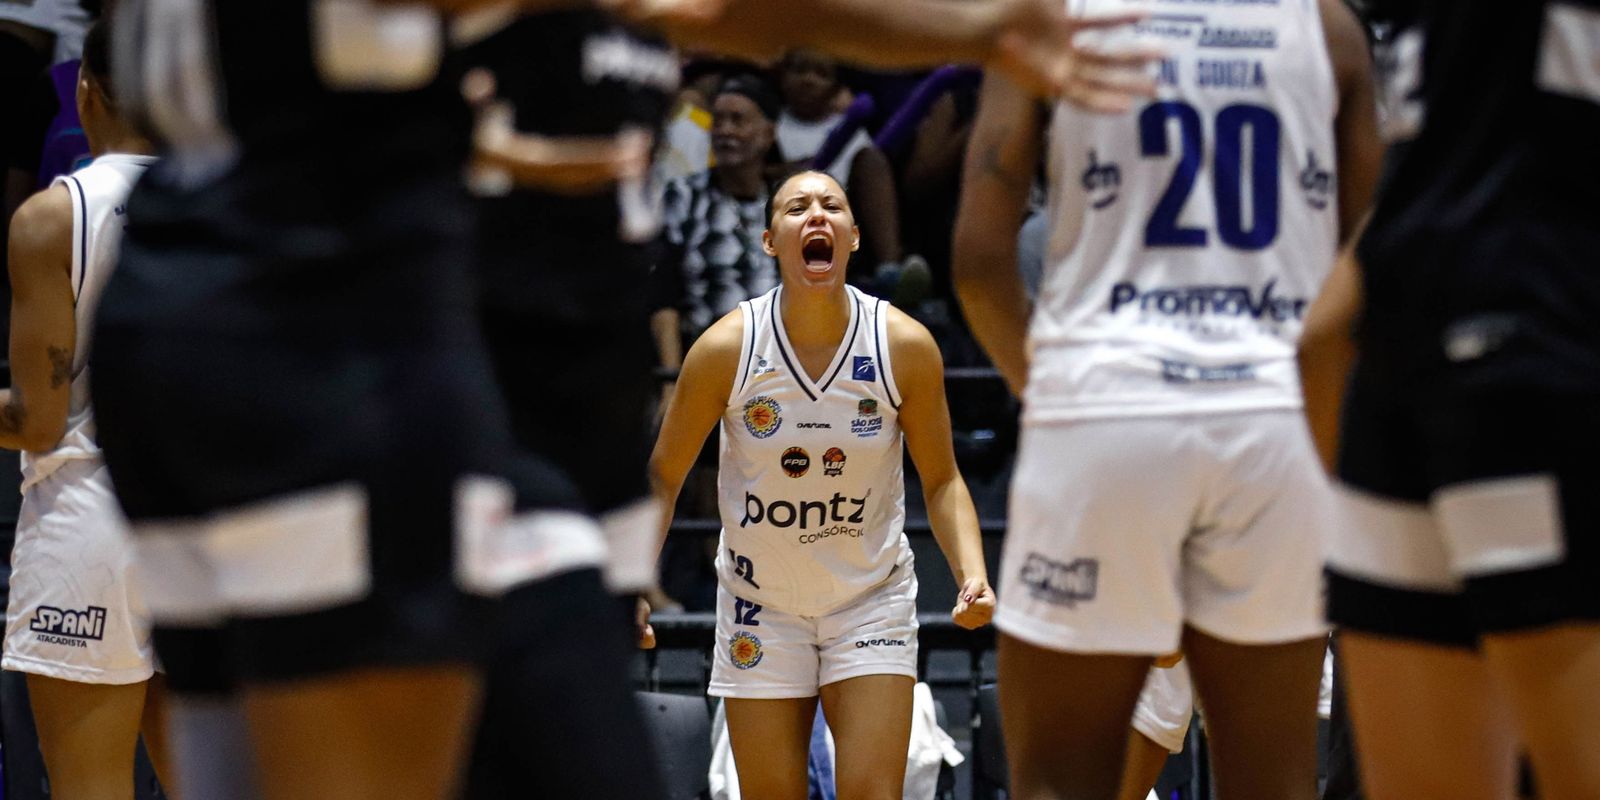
(1166, 706)
(1123, 531)
(75, 611)
(763, 653)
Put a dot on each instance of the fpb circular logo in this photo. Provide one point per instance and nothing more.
(762, 416)
(795, 462)
(833, 462)
(745, 650)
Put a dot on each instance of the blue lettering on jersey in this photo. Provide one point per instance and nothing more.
(863, 369)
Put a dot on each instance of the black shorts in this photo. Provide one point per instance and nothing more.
(581, 394)
(307, 506)
(1468, 501)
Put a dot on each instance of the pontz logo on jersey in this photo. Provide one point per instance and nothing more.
(805, 514)
(762, 416)
(1210, 301)
(1063, 584)
(68, 627)
(1101, 181)
(880, 643)
(862, 369)
(745, 650)
(795, 462)
(833, 462)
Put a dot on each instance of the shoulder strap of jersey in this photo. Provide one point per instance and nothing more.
(747, 347)
(880, 345)
(80, 231)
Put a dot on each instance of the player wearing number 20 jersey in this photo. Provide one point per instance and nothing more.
(1166, 491)
(1189, 237)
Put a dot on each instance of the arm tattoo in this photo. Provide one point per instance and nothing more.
(60, 366)
(989, 160)
(12, 416)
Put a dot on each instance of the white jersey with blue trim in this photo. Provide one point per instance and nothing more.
(811, 483)
(99, 194)
(1189, 235)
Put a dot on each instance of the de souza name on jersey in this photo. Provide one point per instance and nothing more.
(846, 515)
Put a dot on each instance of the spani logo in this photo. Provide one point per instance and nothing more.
(744, 649)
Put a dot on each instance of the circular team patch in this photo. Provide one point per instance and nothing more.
(745, 650)
(833, 462)
(795, 462)
(762, 416)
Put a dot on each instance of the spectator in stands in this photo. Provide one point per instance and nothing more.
(814, 107)
(714, 219)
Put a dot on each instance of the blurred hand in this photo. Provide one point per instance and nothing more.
(974, 604)
(1040, 52)
(641, 624)
(665, 12)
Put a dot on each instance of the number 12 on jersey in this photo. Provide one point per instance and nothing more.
(744, 612)
(1227, 174)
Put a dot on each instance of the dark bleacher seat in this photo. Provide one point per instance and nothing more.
(990, 777)
(680, 730)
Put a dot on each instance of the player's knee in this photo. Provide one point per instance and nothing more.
(884, 784)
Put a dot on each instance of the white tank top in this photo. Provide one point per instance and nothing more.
(99, 192)
(811, 486)
(1189, 235)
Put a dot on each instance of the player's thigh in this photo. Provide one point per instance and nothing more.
(870, 717)
(1261, 713)
(87, 734)
(1146, 758)
(1066, 718)
(393, 733)
(771, 739)
(1430, 720)
(1552, 679)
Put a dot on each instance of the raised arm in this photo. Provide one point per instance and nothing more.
(1001, 161)
(1031, 41)
(33, 412)
(925, 420)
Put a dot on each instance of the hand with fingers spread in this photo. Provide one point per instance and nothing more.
(974, 604)
(1042, 51)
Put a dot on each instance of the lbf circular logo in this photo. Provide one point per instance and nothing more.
(745, 650)
(833, 462)
(795, 462)
(762, 416)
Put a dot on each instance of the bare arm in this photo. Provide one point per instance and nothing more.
(1327, 345)
(1356, 126)
(925, 420)
(699, 400)
(1001, 160)
(33, 412)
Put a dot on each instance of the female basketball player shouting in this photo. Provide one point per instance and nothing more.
(814, 384)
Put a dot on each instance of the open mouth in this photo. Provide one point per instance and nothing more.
(817, 250)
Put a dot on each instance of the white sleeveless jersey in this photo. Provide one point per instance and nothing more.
(99, 192)
(1189, 235)
(811, 487)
